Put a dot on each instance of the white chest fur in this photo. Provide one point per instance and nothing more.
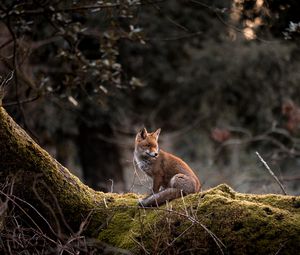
(144, 165)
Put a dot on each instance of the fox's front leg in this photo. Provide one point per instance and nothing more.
(156, 184)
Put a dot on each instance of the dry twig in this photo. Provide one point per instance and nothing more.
(271, 172)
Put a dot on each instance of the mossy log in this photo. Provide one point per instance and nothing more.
(216, 221)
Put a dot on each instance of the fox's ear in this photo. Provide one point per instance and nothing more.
(156, 133)
(142, 134)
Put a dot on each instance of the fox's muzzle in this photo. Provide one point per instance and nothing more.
(152, 154)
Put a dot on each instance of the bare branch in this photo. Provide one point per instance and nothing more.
(4, 82)
(271, 172)
(41, 11)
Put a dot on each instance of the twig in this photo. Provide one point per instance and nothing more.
(3, 83)
(6, 79)
(38, 230)
(16, 80)
(185, 208)
(139, 178)
(281, 247)
(56, 203)
(175, 38)
(271, 172)
(265, 137)
(6, 43)
(42, 11)
(218, 242)
(218, 11)
(176, 238)
(25, 101)
(139, 244)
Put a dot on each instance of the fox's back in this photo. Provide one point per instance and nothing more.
(168, 165)
(169, 162)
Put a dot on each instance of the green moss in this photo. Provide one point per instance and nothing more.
(246, 224)
(120, 222)
(126, 222)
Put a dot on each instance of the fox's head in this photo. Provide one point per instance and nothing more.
(146, 144)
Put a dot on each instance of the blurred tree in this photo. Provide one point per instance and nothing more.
(68, 50)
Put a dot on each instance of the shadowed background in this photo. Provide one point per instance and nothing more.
(221, 78)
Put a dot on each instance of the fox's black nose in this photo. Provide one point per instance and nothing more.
(152, 154)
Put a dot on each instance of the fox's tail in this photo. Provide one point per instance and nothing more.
(161, 197)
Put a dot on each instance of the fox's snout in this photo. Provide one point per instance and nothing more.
(153, 154)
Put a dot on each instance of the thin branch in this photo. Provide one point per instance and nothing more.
(168, 18)
(265, 137)
(139, 178)
(42, 11)
(212, 8)
(218, 242)
(25, 101)
(271, 172)
(15, 67)
(175, 38)
(20, 207)
(176, 238)
(7, 79)
(9, 41)
(219, 11)
(4, 82)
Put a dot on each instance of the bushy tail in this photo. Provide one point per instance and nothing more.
(160, 197)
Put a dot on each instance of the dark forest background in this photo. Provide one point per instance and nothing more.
(221, 78)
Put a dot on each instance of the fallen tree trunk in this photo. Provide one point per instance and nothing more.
(216, 221)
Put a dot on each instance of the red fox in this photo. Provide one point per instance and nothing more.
(167, 171)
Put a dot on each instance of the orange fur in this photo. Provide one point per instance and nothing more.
(168, 172)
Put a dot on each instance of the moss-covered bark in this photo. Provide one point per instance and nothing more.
(204, 223)
(41, 180)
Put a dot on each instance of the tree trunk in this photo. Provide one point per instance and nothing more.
(213, 222)
(100, 158)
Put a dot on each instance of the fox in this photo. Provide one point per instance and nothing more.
(172, 177)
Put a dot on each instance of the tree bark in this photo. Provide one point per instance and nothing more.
(217, 221)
